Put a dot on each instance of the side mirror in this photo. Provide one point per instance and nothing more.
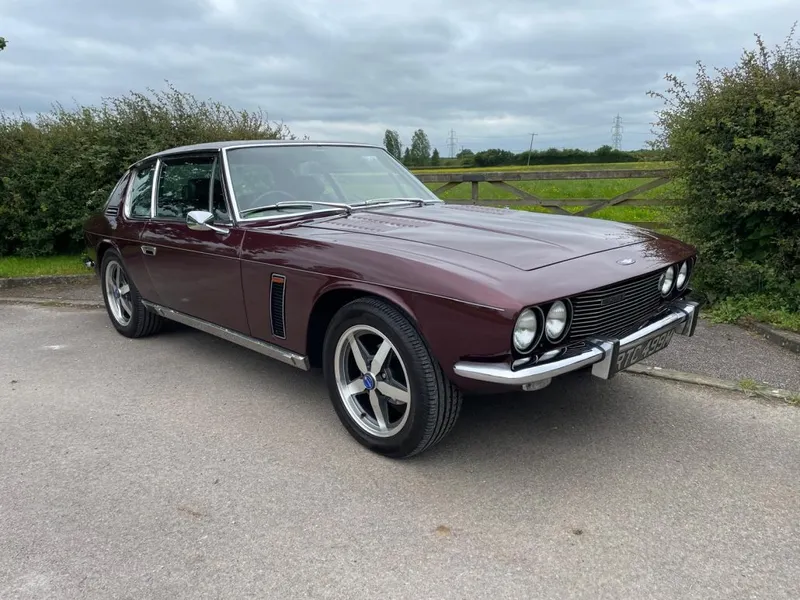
(201, 220)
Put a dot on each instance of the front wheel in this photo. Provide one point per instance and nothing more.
(385, 386)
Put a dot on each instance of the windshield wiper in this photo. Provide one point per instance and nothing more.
(310, 204)
(345, 208)
(371, 201)
(382, 201)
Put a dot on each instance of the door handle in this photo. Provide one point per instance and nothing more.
(149, 250)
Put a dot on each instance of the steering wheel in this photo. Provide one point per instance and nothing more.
(257, 201)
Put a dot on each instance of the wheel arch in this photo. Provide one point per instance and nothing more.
(102, 247)
(333, 298)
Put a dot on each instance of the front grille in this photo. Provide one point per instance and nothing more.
(617, 309)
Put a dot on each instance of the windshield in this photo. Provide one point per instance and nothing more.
(268, 175)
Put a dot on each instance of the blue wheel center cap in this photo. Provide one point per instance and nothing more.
(369, 381)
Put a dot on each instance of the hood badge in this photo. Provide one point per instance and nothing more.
(626, 261)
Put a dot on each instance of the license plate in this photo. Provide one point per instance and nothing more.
(631, 356)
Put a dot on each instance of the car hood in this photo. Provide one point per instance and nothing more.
(520, 239)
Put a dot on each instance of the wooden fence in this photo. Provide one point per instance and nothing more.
(503, 180)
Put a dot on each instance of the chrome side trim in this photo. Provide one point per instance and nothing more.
(226, 169)
(154, 188)
(601, 352)
(274, 144)
(270, 350)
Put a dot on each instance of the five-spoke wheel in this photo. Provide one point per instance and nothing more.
(118, 292)
(372, 381)
(124, 304)
(385, 386)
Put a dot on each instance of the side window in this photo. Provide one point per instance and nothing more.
(118, 193)
(141, 190)
(184, 185)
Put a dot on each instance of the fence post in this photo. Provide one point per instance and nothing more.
(474, 192)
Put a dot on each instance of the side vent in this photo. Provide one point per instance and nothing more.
(277, 297)
(112, 211)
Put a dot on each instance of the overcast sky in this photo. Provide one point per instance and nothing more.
(348, 69)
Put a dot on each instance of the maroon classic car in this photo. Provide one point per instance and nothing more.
(333, 255)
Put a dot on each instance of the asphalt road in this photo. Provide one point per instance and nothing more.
(185, 467)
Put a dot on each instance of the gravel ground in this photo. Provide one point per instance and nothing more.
(182, 466)
(730, 352)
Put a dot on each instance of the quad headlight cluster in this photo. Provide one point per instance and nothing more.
(552, 321)
(675, 278)
(534, 323)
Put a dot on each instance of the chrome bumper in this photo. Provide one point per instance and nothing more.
(602, 353)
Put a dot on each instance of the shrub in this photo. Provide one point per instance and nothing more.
(735, 141)
(59, 167)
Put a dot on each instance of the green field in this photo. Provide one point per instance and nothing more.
(567, 189)
(15, 266)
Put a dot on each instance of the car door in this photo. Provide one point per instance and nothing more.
(195, 272)
(128, 221)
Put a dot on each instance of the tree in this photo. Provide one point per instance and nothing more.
(391, 141)
(435, 158)
(466, 157)
(3, 43)
(733, 139)
(420, 149)
(494, 157)
(407, 157)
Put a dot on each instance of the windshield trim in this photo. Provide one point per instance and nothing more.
(276, 217)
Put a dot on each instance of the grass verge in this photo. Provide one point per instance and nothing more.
(15, 266)
(763, 308)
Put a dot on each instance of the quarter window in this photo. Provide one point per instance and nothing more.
(116, 195)
(141, 191)
(187, 184)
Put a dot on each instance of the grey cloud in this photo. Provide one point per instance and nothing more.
(352, 68)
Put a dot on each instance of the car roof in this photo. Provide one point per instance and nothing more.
(214, 146)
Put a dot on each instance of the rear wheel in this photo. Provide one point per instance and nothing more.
(385, 386)
(123, 303)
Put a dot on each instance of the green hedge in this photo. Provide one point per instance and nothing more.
(734, 137)
(58, 167)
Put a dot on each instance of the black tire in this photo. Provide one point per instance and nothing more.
(435, 401)
(142, 322)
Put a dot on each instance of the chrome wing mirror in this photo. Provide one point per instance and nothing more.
(202, 220)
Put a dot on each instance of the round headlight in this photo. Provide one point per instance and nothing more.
(666, 281)
(683, 275)
(556, 323)
(525, 330)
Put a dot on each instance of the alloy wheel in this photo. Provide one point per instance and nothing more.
(118, 292)
(372, 381)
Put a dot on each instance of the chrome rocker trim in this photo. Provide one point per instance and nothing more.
(682, 318)
(270, 350)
